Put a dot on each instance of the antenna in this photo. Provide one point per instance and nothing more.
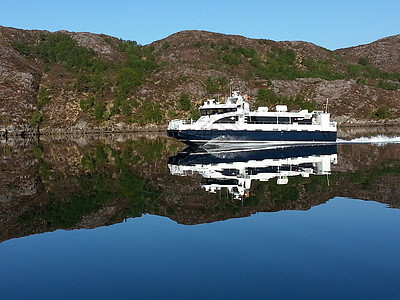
(326, 105)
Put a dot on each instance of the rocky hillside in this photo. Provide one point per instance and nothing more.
(383, 54)
(67, 82)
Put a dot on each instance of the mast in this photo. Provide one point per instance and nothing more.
(326, 105)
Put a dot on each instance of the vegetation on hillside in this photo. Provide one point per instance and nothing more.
(95, 188)
(280, 63)
(93, 75)
(269, 98)
(107, 89)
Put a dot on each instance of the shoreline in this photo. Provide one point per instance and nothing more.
(151, 128)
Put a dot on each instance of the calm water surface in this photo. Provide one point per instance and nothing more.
(127, 217)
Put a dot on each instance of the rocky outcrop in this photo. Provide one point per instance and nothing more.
(104, 46)
(19, 82)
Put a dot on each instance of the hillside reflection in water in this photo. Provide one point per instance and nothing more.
(92, 182)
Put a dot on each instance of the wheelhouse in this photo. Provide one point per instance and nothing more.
(213, 111)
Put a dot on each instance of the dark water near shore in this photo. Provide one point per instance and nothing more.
(138, 216)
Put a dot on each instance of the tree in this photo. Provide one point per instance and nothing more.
(184, 102)
(127, 78)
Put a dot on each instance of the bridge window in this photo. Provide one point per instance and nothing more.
(213, 111)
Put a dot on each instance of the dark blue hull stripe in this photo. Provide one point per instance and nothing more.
(202, 136)
(190, 156)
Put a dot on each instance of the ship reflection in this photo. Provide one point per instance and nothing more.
(234, 169)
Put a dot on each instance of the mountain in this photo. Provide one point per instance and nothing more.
(58, 82)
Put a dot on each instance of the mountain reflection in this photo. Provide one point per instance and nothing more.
(234, 169)
(91, 181)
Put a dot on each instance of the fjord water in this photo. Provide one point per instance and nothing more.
(103, 217)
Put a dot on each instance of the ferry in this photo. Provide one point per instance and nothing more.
(233, 122)
(235, 170)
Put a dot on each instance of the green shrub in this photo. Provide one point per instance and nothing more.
(211, 85)
(361, 81)
(383, 84)
(267, 97)
(285, 56)
(36, 117)
(37, 151)
(93, 83)
(214, 85)
(43, 97)
(184, 102)
(99, 109)
(194, 114)
(364, 61)
(225, 46)
(320, 69)
(382, 113)
(86, 104)
(126, 108)
(231, 60)
(353, 71)
(23, 48)
(375, 73)
(279, 65)
(82, 82)
(152, 112)
(171, 113)
(246, 52)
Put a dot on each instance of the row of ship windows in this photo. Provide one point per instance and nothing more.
(265, 120)
(213, 111)
(269, 169)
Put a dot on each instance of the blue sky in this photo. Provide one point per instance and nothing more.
(331, 24)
